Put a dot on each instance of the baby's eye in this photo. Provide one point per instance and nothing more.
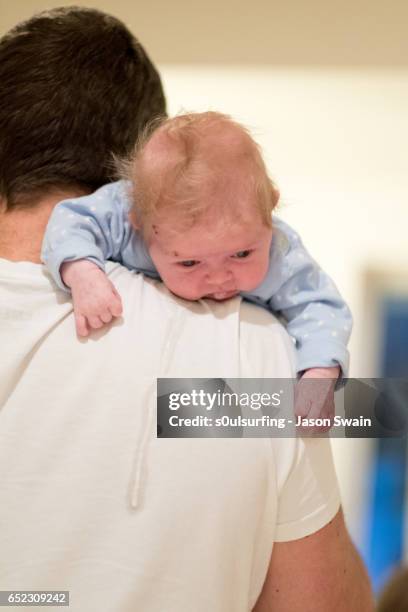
(242, 254)
(188, 263)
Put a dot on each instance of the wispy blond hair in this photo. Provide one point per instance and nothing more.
(180, 164)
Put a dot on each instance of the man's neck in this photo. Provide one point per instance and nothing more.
(22, 230)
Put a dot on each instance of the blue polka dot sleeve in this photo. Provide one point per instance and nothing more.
(94, 227)
(296, 288)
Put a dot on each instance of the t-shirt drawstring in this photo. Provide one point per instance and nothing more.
(141, 453)
(166, 359)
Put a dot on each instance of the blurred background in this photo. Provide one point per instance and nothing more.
(324, 88)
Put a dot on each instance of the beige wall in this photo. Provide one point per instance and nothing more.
(290, 32)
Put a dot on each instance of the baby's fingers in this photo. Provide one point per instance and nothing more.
(95, 322)
(329, 413)
(116, 304)
(318, 411)
(106, 316)
(302, 399)
(81, 325)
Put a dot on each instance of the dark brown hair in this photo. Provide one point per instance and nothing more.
(75, 88)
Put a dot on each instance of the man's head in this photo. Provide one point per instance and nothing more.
(203, 199)
(76, 87)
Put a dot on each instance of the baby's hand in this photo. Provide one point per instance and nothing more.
(95, 299)
(314, 397)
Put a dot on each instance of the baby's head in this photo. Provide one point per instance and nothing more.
(203, 201)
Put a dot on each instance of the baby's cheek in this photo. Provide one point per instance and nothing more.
(263, 268)
(255, 276)
(182, 287)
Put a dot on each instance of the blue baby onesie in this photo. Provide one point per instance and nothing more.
(96, 227)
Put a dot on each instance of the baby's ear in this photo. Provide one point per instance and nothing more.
(275, 195)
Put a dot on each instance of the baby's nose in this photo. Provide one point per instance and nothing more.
(220, 277)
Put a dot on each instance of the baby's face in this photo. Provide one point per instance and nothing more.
(215, 261)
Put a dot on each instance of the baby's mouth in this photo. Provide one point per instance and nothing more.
(222, 295)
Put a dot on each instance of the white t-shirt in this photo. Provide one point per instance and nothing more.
(92, 502)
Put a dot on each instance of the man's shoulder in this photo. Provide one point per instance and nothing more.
(230, 335)
(265, 343)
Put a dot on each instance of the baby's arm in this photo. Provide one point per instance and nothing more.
(81, 234)
(93, 227)
(96, 301)
(317, 317)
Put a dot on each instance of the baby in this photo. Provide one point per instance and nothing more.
(196, 212)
